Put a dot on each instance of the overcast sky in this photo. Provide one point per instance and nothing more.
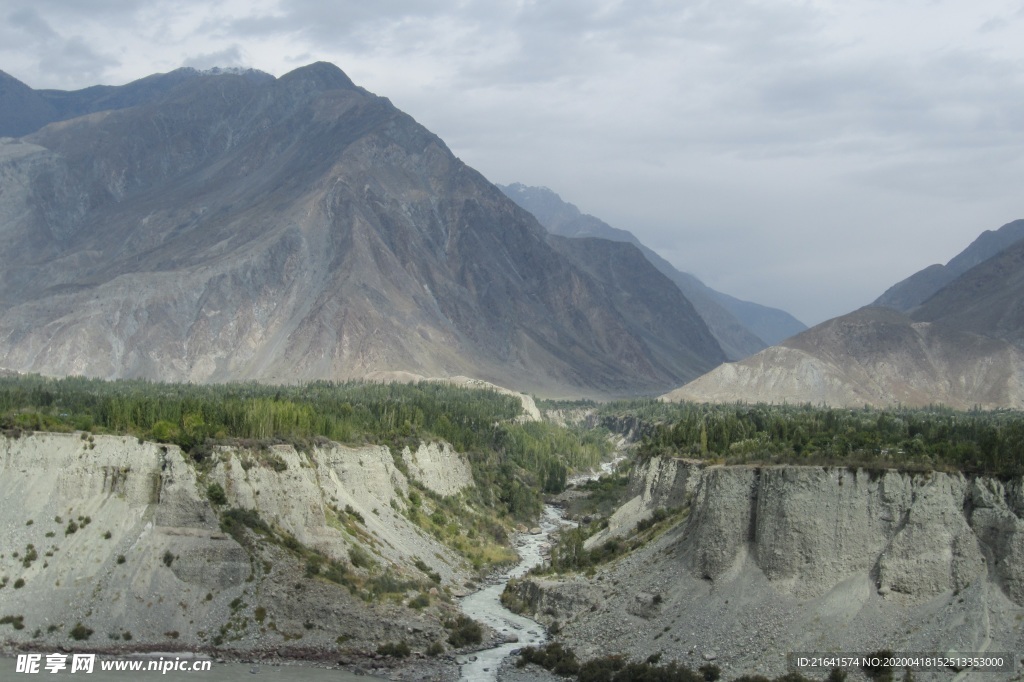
(801, 154)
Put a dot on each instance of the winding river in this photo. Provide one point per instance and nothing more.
(485, 605)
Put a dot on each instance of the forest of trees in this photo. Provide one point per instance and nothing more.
(976, 442)
(513, 461)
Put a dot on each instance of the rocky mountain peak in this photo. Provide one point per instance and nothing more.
(321, 76)
(223, 229)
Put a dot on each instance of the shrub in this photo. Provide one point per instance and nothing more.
(19, 583)
(710, 672)
(168, 558)
(215, 492)
(120, 558)
(16, 622)
(421, 601)
(464, 631)
(359, 557)
(435, 649)
(397, 649)
(234, 520)
(553, 657)
(354, 514)
(80, 632)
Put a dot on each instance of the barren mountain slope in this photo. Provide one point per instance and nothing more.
(295, 229)
(988, 298)
(920, 286)
(963, 347)
(874, 356)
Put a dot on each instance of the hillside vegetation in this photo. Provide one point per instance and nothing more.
(512, 462)
(974, 442)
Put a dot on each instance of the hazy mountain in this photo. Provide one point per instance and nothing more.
(963, 347)
(987, 299)
(741, 327)
(916, 289)
(240, 227)
(24, 110)
(874, 356)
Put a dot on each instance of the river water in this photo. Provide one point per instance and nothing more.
(485, 605)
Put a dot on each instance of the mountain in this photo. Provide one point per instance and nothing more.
(239, 227)
(873, 356)
(987, 299)
(742, 328)
(916, 289)
(24, 110)
(963, 347)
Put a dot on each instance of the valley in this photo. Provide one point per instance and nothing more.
(284, 381)
(285, 545)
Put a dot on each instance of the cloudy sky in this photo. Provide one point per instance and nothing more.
(801, 154)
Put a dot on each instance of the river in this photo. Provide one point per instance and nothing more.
(485, 605)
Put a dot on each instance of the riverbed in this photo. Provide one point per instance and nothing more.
(485, 605)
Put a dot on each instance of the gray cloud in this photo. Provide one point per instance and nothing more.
(229, 56)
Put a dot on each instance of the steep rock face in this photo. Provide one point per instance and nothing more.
(119, 525)
(779, 559)
(807, 529)
(295, 229)
(439, 468)
(660, 483)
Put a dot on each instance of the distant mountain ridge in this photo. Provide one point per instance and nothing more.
(916, 289)
(742, 328)
(24, 110)
(963, 346)
(237, 226)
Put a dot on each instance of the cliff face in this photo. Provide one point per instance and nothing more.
(776, 559)
(809, 528)
(122, 537)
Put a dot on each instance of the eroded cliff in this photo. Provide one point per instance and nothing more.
(770, 560)
(128, 540)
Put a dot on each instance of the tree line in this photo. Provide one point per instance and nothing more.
(974, 441)
(513, 461)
